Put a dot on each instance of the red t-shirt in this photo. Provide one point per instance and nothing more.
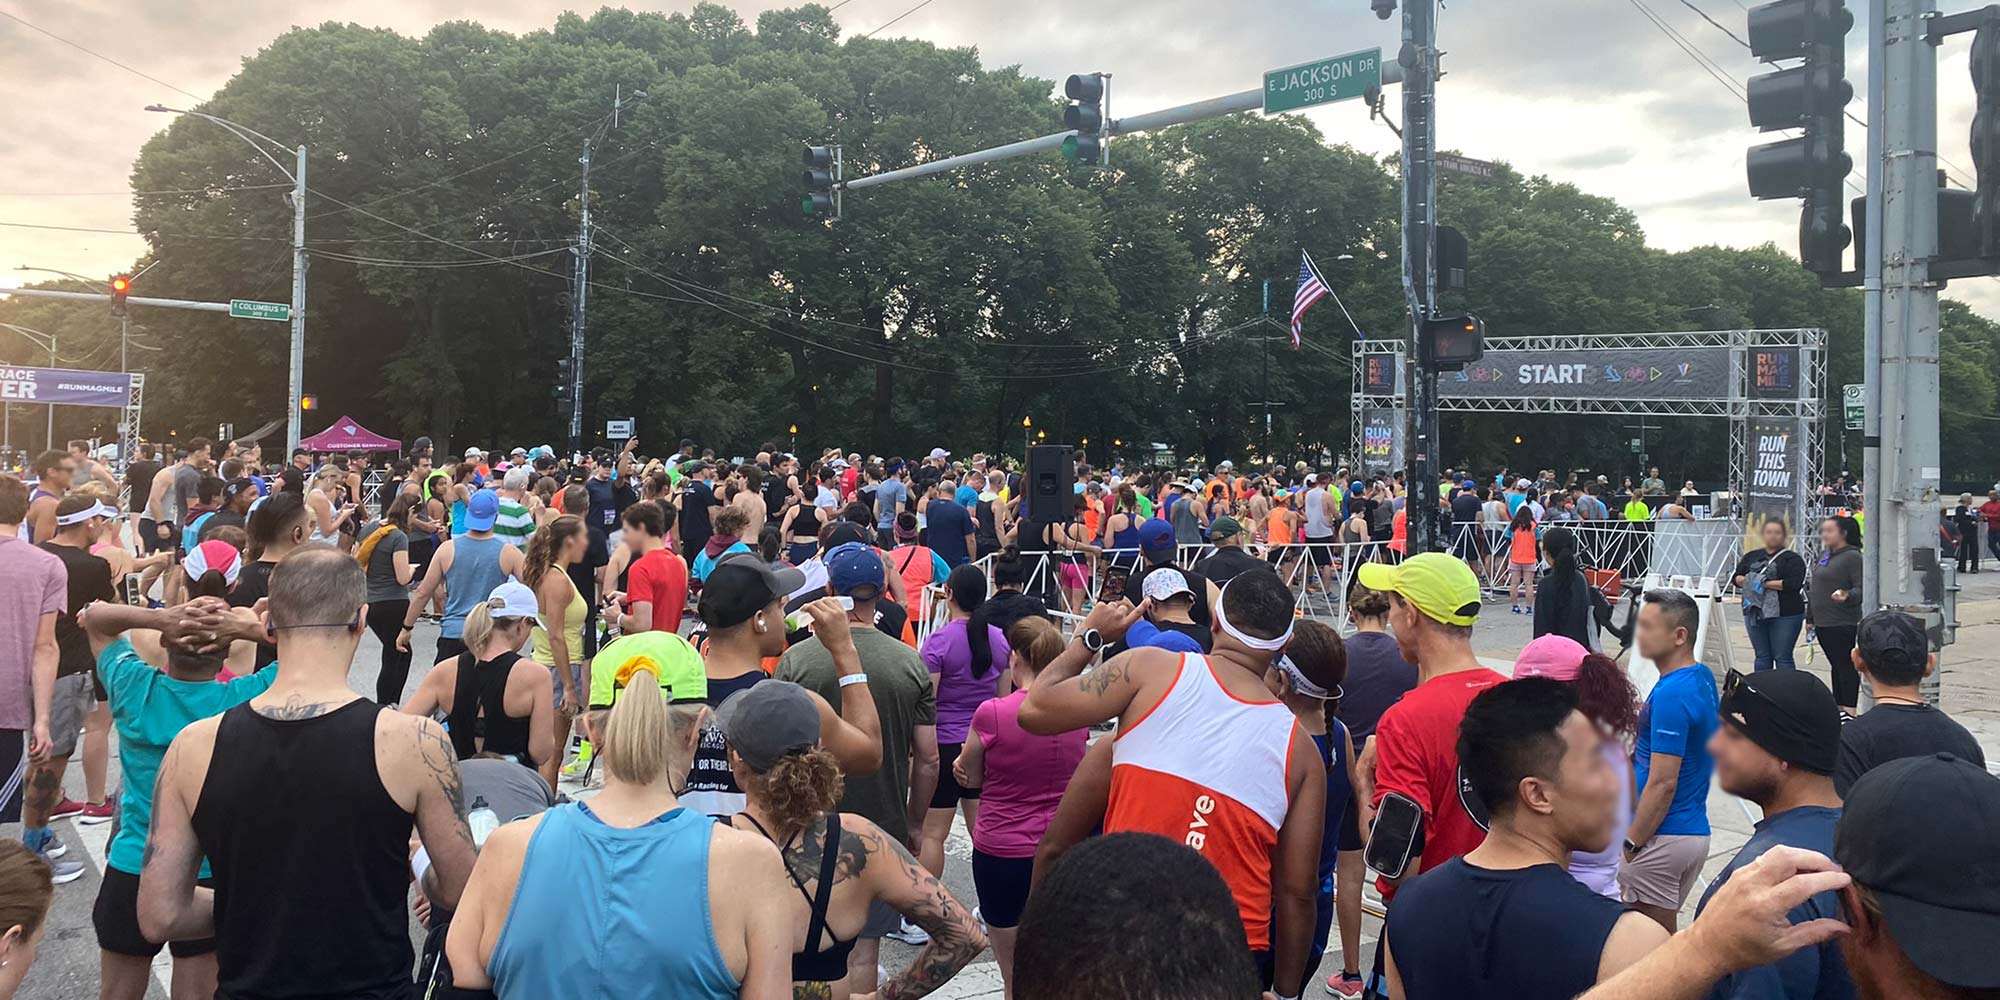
(1991, 511)
(659, 578)
(1416, 754)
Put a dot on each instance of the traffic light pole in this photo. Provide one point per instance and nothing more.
(1901, 560)
(576, 311)
(296, 383)
(1419, 165)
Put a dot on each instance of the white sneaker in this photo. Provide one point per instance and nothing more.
(910, 934)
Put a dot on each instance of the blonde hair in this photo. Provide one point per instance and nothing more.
(327, 474)
(480, 624)
(642, 736)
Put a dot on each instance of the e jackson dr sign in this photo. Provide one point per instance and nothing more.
(1623, 373)
(60, 385)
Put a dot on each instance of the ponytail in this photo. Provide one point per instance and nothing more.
(967, 584)
(479, 625)
(642, 734)
(210, 584)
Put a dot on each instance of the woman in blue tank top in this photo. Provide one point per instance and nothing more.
(631, 894)
(1307, 678)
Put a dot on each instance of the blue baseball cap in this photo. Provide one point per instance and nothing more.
(853, 567)
(481, 510)
(1468, 485)
(1156, 534)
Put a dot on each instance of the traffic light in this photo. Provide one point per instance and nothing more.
(562, 380)
(120, 284)
(309, 402)
(1812, 96)
(1986, 138)
(821, 178)
(1084, 116)
(1455, 341)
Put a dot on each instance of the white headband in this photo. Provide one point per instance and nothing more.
(1267, 645)
(100, 510)
(1303, 684)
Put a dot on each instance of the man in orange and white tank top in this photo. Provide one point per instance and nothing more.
(1207, 757)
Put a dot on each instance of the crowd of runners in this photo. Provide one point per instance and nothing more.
(1174, 784)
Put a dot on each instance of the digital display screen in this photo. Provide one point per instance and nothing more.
(1379, 375)
(1774, 372)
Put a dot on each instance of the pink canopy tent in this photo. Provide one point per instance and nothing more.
(346, 435)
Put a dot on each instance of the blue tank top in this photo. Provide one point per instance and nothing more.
(475, 572)
(602, 911)
(457, 518)
(1129, 537)
(1333, 753)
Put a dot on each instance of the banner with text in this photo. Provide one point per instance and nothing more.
(1621, 373)
(1382, 438)
(61, 385)
(1776, 489)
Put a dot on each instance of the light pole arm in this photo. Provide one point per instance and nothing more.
(243, 132)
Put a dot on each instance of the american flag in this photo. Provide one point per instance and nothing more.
(1312, 288)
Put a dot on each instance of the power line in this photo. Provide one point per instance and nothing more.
(430, 264)
(31, 26)
(1718, 24)
(140, 194)
(385, 199)
(920, 6)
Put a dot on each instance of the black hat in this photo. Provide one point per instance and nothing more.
(1895, 641)
(1918, 833)
(740, 585)
(1790, 713)
(843, 532)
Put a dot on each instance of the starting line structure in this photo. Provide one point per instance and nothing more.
(1769, 385)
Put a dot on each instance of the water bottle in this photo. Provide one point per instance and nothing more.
(481, 820)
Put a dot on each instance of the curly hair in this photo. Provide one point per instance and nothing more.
(799, 787)
(1606, 696)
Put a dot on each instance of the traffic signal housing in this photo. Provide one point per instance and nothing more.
(1813, 97)
(822, 181)
(1986, 141)
(1455, 341)
(120, 285)
(1084, 116)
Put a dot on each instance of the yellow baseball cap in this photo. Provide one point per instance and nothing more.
(1443, 587)
(671, 658)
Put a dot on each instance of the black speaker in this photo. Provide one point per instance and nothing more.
(1051, 483)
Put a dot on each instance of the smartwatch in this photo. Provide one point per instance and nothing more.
(1093, 640)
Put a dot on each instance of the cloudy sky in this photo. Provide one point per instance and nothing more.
(1589, 91)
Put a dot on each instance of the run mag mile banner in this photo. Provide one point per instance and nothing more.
(60, 385)
(1381, 438)
(1776, 486)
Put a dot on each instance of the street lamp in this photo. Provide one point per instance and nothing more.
(296, 380)
(46, 341)
(1026, 423)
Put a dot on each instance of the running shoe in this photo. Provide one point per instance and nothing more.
(581, 763)
(103, 812)
(910, 934)
(66, 808)
(60, 871)
(1345, 985)
(55, 848)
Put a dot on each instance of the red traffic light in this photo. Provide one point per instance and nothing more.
(120, 285)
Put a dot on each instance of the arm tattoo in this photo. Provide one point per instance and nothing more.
(295, 709)
(1098, 681)
(435, 749)
(955, 939)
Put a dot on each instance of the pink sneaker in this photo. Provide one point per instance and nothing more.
(102, 812)
(1345, 986)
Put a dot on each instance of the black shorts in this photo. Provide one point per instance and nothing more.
(1322, 551)
(1002, 884)
(149, 537)
(116, 917)
(949, 791)
(13, 772)
(1350, 827)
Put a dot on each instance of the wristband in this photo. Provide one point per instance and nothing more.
(849, 680)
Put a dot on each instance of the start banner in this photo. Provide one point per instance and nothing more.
(1623, 373)
(61, 385)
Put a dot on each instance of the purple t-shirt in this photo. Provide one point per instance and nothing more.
(1024, 780)
(948, 654)
(33, 583)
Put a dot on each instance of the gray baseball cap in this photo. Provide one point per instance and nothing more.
(768, 721)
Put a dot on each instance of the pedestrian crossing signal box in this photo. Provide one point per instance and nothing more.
(1455, 341)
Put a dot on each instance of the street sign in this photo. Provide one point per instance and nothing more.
(620, 429)
(1322, 81)
(1466, 165)
(1854, 400)
(249, 309)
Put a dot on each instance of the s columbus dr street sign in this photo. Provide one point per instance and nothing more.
(1322, 81)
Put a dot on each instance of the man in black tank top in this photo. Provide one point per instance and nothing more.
(1506, 921)
(302, 800)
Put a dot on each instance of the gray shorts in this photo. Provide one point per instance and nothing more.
(576, 672)
(1664, 871)
(73, 700)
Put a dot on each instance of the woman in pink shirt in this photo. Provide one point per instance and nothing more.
(1021, 778)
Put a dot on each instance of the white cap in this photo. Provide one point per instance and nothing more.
(473, 453)
(513, 599)
(1522, 484)
(518, 450)
(1162, 584)
(81, 516)
(940, 453)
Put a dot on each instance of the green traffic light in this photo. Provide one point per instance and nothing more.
(1069, 149)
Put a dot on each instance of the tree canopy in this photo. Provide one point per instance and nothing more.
(1119, 304)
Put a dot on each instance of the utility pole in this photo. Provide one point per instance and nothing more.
(1900, 561)
(295, 394)
(1419, 165)
(580, 292)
